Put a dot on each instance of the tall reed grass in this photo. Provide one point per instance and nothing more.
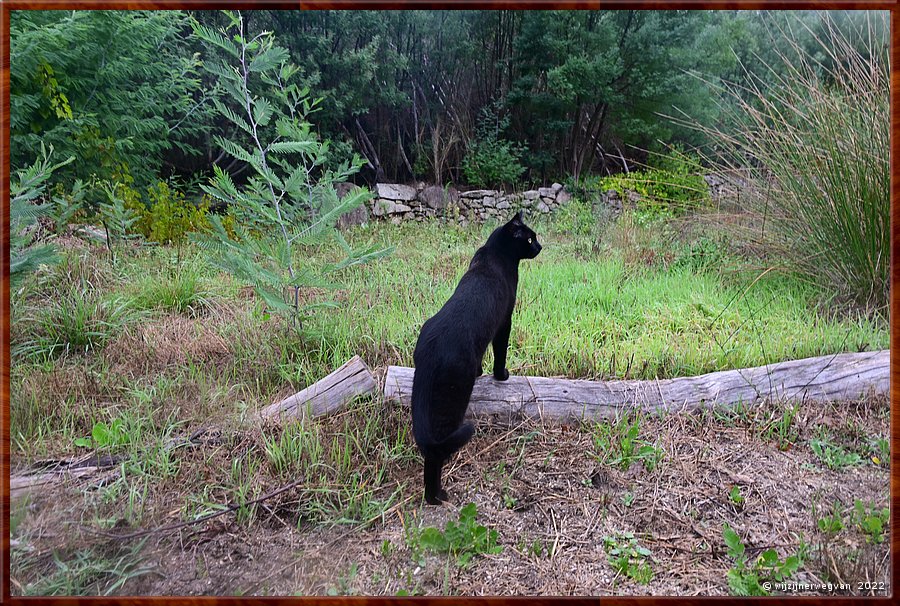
(806, 149)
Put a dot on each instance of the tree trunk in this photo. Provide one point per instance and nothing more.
(835, 377)
(326, 396)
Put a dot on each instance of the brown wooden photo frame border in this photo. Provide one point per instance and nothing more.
(10, 5)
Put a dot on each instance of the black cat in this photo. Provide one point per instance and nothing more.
(452, 343)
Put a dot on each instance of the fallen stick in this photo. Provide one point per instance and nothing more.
(204, 518)
(86, 467)
(824, 378)
(323, 397)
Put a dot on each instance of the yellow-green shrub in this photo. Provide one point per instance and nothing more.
(169, 216)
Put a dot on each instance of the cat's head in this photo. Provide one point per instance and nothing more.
(523, 237)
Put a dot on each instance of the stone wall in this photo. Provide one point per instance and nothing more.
(397, 203)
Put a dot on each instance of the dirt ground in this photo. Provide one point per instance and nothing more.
(552, 503)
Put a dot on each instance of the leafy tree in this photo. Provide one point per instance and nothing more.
(116, 89)
(290, 198)
(491, 159)
(588, 83)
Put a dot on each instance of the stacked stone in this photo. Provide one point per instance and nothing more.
(398, 203)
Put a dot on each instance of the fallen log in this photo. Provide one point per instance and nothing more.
(93, 468)
(824, 378)
(332, 393)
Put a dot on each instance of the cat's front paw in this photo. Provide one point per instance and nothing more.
(503, 376)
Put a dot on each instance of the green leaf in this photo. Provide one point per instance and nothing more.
(235, 150)
(83, 442)
(262, 112)
(769, 558)
(269, 58)
(215, 38)
(284, 147)
(101, 434)
(232, 116)
(733, 541)
(434, 539)
(789, 567)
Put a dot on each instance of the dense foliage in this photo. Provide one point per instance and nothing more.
(808, 147)
(290, 200)
(579, 91)
(119, 90)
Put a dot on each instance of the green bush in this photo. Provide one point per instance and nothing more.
(670, 187)
(26, 187)
(491, 160)
(170, 217)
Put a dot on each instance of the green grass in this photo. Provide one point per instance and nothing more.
(589, 317)
(619, 300)
(819, 140)
(591, 305)
(85, 572)
(179, 289)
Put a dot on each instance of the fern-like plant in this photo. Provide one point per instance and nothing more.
(25, 189)
(290, 199)
(117, 219)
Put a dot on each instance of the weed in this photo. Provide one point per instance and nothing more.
(782, 429)
(344, 582)
(89, 573)
(537, 548)
(618, 444)
(244, 471)
(820, 137)
(735, 496)
(105, 436)
(870, 520)
(463, 540)
(180, 290)
(748, 578)
(835, 457)
(627, 557)
(881, 449)
(76, 323)
(833, 523)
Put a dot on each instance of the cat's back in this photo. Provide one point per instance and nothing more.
(481, 296)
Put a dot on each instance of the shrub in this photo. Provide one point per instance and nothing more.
(25, 188)
(670, 186)
(170, 217)
(290, 198)
(491, 160)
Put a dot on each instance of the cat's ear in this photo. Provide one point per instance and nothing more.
(517, 218)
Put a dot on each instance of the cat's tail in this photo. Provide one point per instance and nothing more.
(446, 447)
(421, 395)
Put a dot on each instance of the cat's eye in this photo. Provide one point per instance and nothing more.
(529, 240)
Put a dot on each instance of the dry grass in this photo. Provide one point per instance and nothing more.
(537, 485)
(170, 342)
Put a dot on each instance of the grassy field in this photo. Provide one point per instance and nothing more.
(159, 361)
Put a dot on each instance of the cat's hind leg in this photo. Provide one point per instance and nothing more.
(434, 494)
